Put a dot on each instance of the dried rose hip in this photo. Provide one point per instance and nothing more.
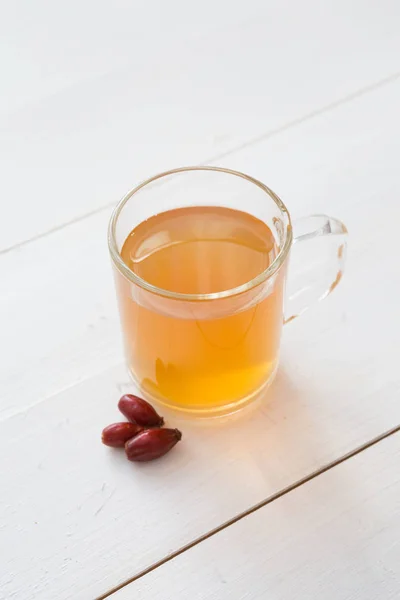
(139, 411)
(151, 444)
(117, 434)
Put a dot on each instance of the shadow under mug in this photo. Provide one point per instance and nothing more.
(212, 354)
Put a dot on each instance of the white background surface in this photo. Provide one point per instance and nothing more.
(95, 98)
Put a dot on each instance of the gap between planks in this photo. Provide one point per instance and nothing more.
(255, 140)
(254, 508)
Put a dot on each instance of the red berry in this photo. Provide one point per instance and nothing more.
(151, 444)
(117, 434)
(139, 411)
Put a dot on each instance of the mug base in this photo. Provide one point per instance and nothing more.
(212, 412)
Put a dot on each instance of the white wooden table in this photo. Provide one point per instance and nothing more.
(299, 500)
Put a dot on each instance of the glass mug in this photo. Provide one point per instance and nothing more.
(212, 353)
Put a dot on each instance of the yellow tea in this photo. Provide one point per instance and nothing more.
(196, 353)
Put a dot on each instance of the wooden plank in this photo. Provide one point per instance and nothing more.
(48, 50)
(334, 537)
(168, 88)
(76, 519)
(58, 315)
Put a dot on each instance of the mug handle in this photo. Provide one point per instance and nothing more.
(315, 267)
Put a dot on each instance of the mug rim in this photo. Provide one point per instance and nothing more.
(257, 280)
